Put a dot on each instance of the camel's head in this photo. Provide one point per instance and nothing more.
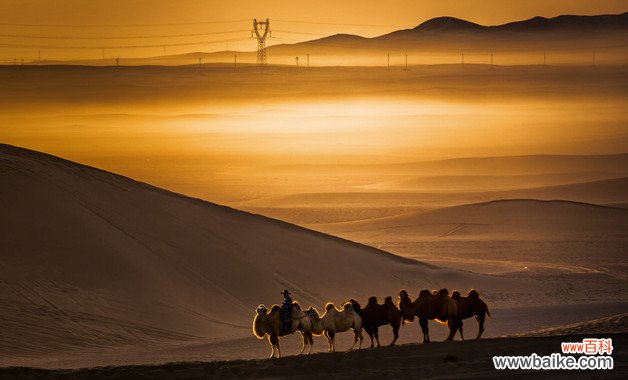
(455, 295)
(424, 292)
(372, 300)
(403, 295)
(442, 293)
(312, 312)
(354, 304)
(261, 310)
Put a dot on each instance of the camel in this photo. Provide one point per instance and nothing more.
(269, 323)
(375, 315)
(471, 306)
(438, 306)
(335, 321)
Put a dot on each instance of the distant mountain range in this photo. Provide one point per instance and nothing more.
(438, 35)
(443, 32)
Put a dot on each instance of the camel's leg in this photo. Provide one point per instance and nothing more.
(480, 318)
(272, 348)
(425, 329)
(453, 327)
(361, 339)
(278, 349)
(311, 340)
(460, 328)
(395, 334)
(326, 333)
(376, 333)
(355, 339)
(332, 341)
(369, 331)
(303, 343)
(274, 344)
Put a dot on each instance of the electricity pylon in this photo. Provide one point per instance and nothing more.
(261, 30)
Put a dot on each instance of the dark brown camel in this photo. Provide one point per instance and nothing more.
(430, 305)
(471, 306)
(375, 315)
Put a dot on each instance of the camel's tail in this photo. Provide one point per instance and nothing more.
(487, 312)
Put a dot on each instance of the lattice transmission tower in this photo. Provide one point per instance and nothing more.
(261, 30)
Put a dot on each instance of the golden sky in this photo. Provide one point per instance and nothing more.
(95, 19)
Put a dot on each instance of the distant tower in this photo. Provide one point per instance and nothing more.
(261, 30)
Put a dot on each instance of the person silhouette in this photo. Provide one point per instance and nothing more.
(286, 312)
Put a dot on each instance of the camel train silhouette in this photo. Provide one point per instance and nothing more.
(429, 305)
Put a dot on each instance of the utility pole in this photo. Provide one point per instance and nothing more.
(406, 61)
(462, 59)
(199, 61)
(388, 61)
(22, 61)
(308, 59)
(235, 60)
(118, 61)
(261, 29)
(297, 59)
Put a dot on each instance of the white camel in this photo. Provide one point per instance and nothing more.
(269, 323)
(335, 321)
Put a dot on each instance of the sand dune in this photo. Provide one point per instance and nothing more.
(549, 240)
(596, 327)
(601, 192)
(519, 219)
(458, 183)
(483, 166)
(92, 259)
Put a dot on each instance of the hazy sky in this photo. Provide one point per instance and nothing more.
(392, 14)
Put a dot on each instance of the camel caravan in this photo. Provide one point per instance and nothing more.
(435, 305)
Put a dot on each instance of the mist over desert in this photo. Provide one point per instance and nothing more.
(150, 204)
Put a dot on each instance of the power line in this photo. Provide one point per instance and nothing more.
(304, 33)
(121, 46)
(121, 37)
(123, 25)
(339, 24)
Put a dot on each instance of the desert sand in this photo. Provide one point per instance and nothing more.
(118, 262)
(102, 285)
(468, 359)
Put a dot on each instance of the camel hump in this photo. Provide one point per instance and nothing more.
(388, 299)
(329, 306)
(372, 299)
(443, 292)
(474, 293)
(455, 295)
(275, 308)
(297, 312)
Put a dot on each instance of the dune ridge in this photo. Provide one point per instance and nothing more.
(118, 263)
